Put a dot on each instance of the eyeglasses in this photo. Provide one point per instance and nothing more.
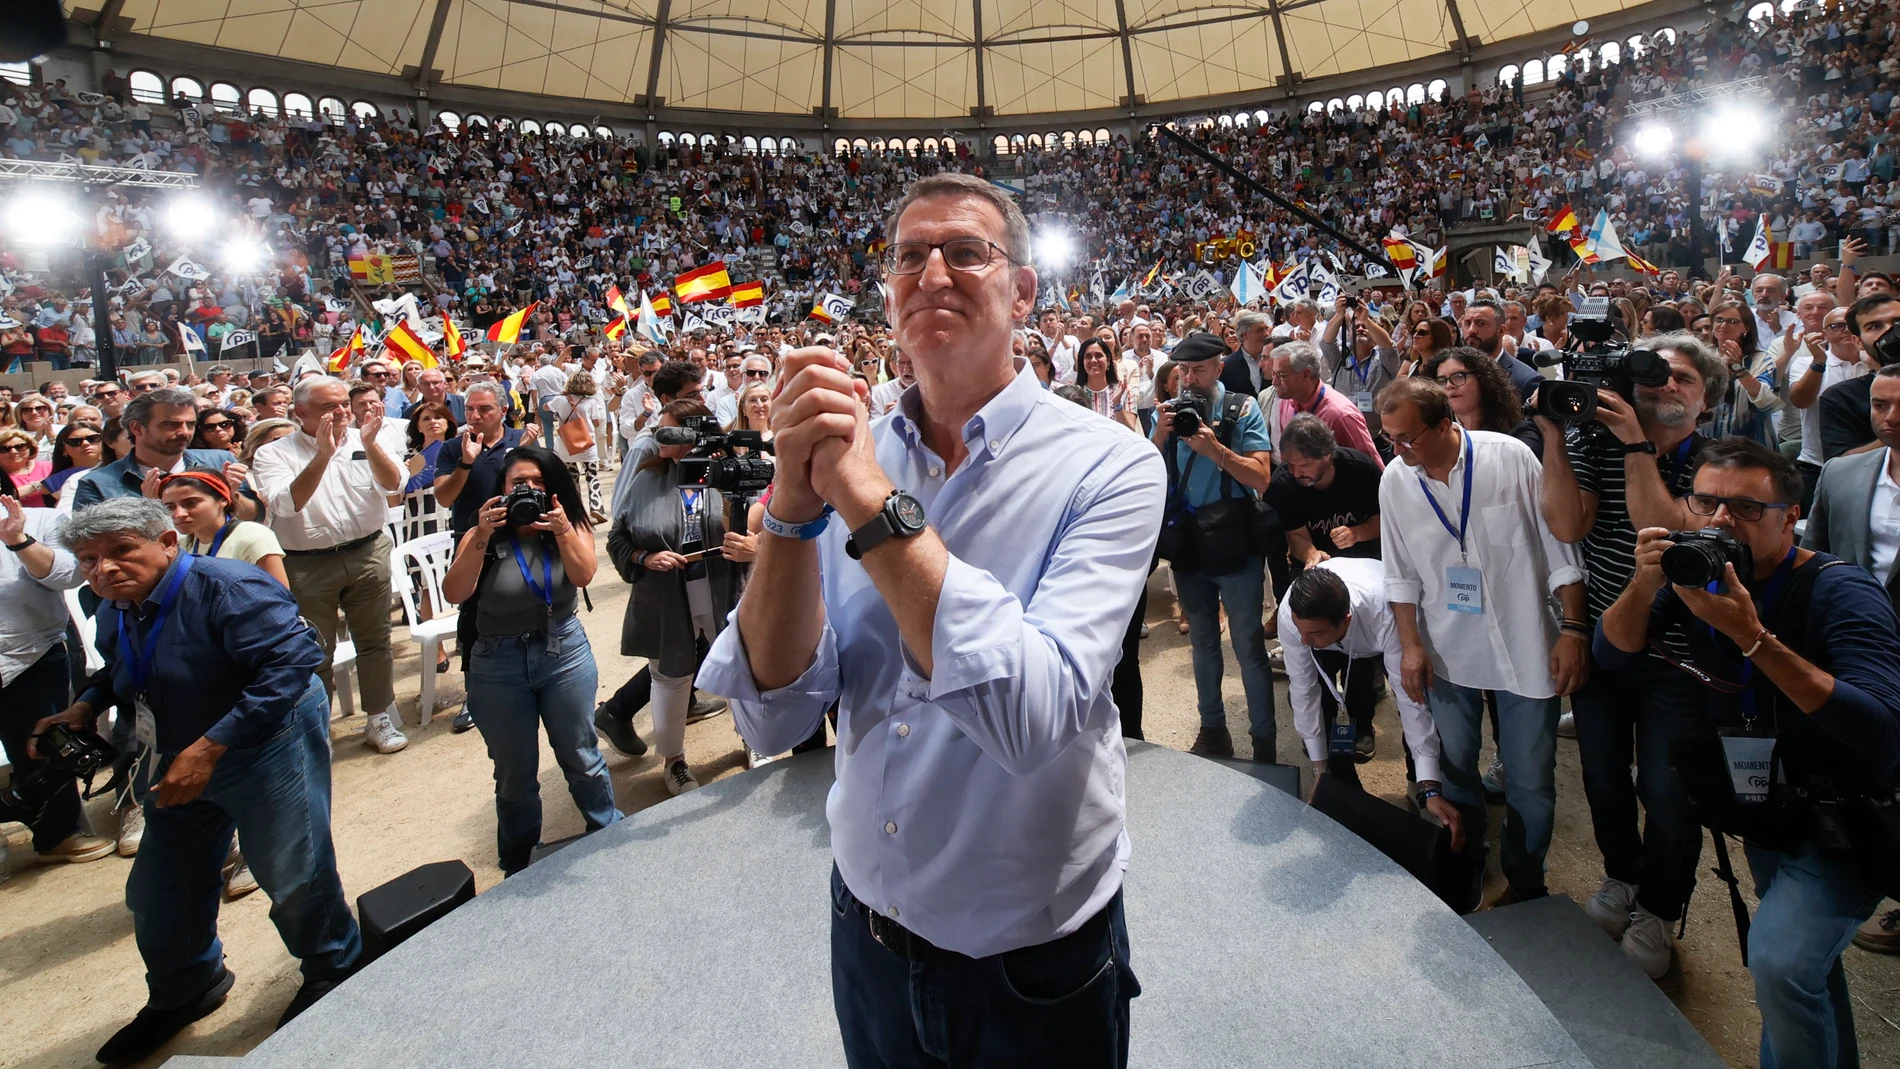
(1839, 328)
(1746, 509)
(19, 447)
(83, 439)
(757, 374)
(1455, 379)
(1401, 441)
(109, 392)
(959, 254)
(1726, 321)
(145, 387)
(36, 408)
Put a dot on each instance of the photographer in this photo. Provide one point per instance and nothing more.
(670, 541)
(1801, 671)
(34, 679)
(219, 675)
(529, 662)
(1224, 458)
(1629, 468)
(1359, 356)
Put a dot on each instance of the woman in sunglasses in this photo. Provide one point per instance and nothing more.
(35, 411)
(77, 450)
(1426, 338)
(20, 460)
(218, 429)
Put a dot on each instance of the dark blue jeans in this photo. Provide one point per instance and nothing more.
(34, 695)
(1064, 1002)
(277, 796)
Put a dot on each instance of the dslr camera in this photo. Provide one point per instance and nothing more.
(711, 463)
(524, 505)
(1191, 409)
(1594, 362)
(66, 754)
(1697, 557)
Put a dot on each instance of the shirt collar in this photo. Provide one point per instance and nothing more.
(992, 426)
(149, 605)
(1886, 471)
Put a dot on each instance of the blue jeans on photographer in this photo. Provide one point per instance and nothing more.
(1064, 1002)
(516, 688)
(277, 796)
(1810, 907)
(1527, 741)
(1242, 592)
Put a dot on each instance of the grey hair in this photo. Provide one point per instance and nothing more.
(1306, 304)
(139, 409)
(135, 379)
(1780, 283)
(1305, 435)
(489, 388)
(1246, 321)
(955, 184)
(117, 515)
(1712, 368)
(547, 358)
(310, 384)
(1302, 355)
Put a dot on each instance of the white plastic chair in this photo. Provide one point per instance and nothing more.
(89, 640)
(343, 670)
(430, 555)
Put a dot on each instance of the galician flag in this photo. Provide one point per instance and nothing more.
(649, 324)
(1603, 240)
(1247, 286)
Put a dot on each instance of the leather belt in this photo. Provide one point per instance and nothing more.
(900, 940)
(340, 547)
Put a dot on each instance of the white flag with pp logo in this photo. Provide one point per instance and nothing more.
(193, 343)
(185, 269)
(835, 306)
(137, 251)
(237, 338)
(1202, 286)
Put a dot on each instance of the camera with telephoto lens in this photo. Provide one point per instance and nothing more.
(1594, 362)
(711, 463)
(65, 754)
(1697, 557)
(1886, 348)
(525, 505)
(1191, 408)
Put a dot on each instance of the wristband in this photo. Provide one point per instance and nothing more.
(24, 544)
(464, 465)
(802, 532)
(1760, 637)
(1429, 793)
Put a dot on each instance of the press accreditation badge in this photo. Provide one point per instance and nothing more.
(1751, 761)
(144, 725)
(1466, 590)
(1364, 400)
(1342, 738)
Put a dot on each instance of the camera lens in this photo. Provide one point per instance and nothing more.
(1696, 563)
(1567, 402)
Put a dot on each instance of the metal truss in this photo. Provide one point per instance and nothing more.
(1697, 97)
(89, 175)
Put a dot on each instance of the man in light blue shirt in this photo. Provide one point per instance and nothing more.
(965, 607)
(1229, 456)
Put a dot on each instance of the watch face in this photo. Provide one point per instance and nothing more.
(908, 512)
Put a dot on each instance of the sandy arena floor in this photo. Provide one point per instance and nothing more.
(70, 973)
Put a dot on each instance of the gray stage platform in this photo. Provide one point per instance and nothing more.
(696, 933)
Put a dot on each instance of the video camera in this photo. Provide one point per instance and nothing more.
(711, 463)
(1191, 408)
(65, 754)
(1595, 362)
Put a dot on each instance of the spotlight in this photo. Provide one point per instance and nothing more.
(1653, 140)
(190, 217)
(39, 216)
(1734, 130)
(1055, 248)
(244, 256)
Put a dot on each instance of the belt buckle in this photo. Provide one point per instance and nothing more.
(886, 935)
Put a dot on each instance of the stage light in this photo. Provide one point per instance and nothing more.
(36, 215)
(1055, 248)
(190, 217)
(244, 256)
(1734, 130)
(1653, 140)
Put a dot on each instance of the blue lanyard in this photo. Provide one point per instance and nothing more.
(546, 590)
(218, 542)
(1775, 581)
(1317, 398)
(1355, 364)
(140, 665)
(1464, 512)
(1681, 458)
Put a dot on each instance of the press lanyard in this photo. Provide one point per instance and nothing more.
(545, 591)
(140, 665)
(218, 542)
(1464, 512)
(1327, 678)
(1775, 581)
(1355, 364)
(1317, 398)
(1681, 458)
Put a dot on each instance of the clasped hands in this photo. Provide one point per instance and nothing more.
(821, 431)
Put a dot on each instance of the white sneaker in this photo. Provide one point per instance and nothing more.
(755, 759)
(679, 778)
(383, 735)
(1610, 906)
(1648, 942)
(1276, 658)
(131, 829)
(1567, 726)
(238, 880)
(1144, 630)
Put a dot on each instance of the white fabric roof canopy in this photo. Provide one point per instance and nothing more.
(895, 59)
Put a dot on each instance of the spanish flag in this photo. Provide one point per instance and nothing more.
(508, 331)
(402, 343)
(1783, 256)
(1401, 253)
(452, 342)
(616, 301)
(1149, 279)
(616, 328)
(1580, 245)
(1564, 218)
(662, 304)
(709, 283)
(1642, 265)
(349, 351)
(748, 294)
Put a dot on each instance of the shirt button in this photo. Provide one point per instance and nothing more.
(995, 445)
(892, 911)
(903, 731)
(890, 827)
(934, 472)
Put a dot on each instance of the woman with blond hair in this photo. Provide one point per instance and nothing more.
(35, 412)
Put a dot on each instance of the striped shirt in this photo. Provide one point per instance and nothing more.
(1609, 550)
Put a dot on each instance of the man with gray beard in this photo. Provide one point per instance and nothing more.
(1602, 483)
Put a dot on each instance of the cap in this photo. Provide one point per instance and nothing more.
(1197, 346)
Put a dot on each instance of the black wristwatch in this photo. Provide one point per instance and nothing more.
(23, 544)
(902, 516)
(464, 465)
(1644, 446)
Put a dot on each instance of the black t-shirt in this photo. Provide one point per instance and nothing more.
(1352, 499)
(1846, 419)
(483, 482)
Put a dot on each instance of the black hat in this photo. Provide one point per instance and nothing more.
(1198, 346)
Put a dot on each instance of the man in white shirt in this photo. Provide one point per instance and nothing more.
(1810, 376)
(548, 382)
(1061, 346)
(638, 404)
(1469, 567)
(1771, 311)
(1301, 322)
(885, 394)
(1337, 633)
(326, 487)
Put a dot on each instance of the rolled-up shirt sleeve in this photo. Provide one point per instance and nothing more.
(1021, 680)
(771, 721)
(262, 632)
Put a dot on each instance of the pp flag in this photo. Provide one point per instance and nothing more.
(1762, 247)
(190, 272)
(193, 342)
(1328, 284)
(1247, 286)
(508, 331)
(719, 315)
(691, 324)
(1098, 289)
(237, 339)
(747, 294)
(831, 307)
(1295, 286)
(709, 283)
(1540, 264)
(403, 345)
(1202, 286)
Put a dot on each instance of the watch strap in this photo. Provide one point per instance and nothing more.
(873, 533)
(1644, 446)
(26, 542)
